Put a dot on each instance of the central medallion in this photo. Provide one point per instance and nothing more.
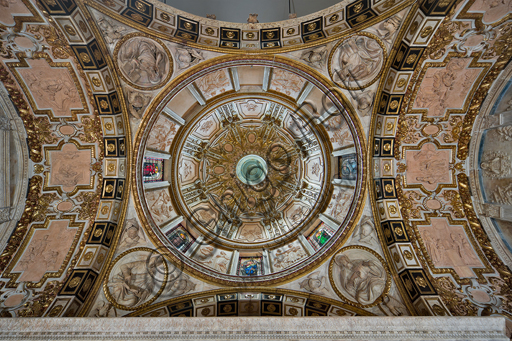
(251, 170)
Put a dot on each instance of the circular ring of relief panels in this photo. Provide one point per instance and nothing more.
(241, 170)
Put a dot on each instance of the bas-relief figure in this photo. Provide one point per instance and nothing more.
(112, 30)
(160, 206)
(286, 82)
(179, 286)
(187, 57)
(286, 256)
(393, 306)
(493, 10)
(357, 61)
(339, 132)
(446, 87)
(214, 83)
(70, 167)
(365, 233)
(503, 133)
(136, 278)
(316, 57)
(429, 166)
(315, 283)
(51, 87)
(46, 251)
(162, 134)
(359, 276)
(132, 235)
(448, 246)
(178, 283)
(143, 62)
(340, 203)
(502, 194)
(11, 6)
(363, 101)
(388, 29)
(251, 232)
(103, 309)
(137, 102)
(213, 258)
(495, 164)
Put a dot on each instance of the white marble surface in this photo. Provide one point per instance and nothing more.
(256, 328)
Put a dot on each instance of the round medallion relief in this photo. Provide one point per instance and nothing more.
(359, 275)
(136, 278)
(145, 63)
(250, 195)
(356, 62)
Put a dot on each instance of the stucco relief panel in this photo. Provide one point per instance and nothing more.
(52, 88)
(429, 166)
(216, 259)
(339, 132)
(162, 134)
(160, 206)
(214, 83)
(449, 246)
(286, 82)
(447, 87)
(46, 251)
(70, 167)
(340, 203)
(287, 255)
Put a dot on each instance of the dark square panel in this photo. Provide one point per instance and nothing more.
(229, 34)
(388, 188)
(387, 147)
(136, 16)
(357, 7)
(271, 308)
(362, 18)
(109, 189)
(143, 7)
(188, 25)
(270, 34)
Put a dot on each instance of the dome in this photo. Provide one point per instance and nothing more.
(248, 196)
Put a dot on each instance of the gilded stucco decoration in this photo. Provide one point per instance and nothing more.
(184, 166)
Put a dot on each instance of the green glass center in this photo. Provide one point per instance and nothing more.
(251, 169)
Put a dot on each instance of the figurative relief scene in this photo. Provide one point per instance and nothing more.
(46, 251)
(72, 167)
(350, 161)
(136, 277)
(143, 62)
(357, 61)
(446, 88)
(359, 275)
(448, 246)
(52, 88)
